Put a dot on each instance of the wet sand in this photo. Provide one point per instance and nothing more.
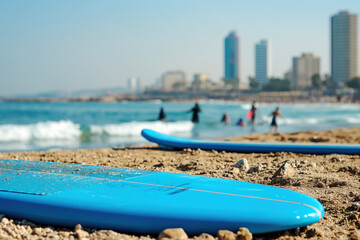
(332, 179)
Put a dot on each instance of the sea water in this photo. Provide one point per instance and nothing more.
(73, 125)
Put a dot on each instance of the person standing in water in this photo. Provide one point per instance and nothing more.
(225, 118)
(162, 116)
(195, 110)
(274, 115)
(253, 113)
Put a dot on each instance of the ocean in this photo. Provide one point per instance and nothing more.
(28, 126)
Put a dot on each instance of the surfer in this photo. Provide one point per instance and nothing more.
(251, 115)
(162, 116)
(225, 119)
(274, 115)
(195, 110)
(241, 123)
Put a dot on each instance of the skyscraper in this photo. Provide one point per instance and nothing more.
(262, 61)
(134, 85)
(343, 46)
(304, 68)
(232, 59)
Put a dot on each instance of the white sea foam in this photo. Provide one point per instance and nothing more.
(50, 130)
(67, 130)
(301, 121)
(293, 121)
(246, 106)
(353, 120)
(134, 128)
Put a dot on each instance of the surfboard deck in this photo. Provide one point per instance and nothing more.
(173, 142)
(148, 202)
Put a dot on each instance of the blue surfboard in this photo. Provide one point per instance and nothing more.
(147, 202)
(173, 142)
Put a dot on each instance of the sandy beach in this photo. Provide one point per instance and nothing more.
(332, 179)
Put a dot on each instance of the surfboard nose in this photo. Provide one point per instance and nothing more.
(321, 209)
(315, 214)
(315, 208)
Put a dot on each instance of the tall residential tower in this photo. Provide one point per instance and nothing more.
(343, 47)
(262, 61)
(232, 61)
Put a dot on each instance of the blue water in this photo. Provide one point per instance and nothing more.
(49, 126)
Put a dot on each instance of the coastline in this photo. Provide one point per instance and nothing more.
(332, 179)
(215, 95)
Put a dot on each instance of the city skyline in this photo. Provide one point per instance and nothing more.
(70, 46)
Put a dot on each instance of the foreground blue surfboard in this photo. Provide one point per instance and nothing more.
(147, 202)
(172, 142)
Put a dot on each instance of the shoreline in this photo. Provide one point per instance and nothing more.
(247, 99)
(332, 179)
(293, 96)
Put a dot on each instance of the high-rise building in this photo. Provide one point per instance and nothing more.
(344, 46)
(232, 61)
(262, 61)
(134, 85)
(174, 81)
(304, 68)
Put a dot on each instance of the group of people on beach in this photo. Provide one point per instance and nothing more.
(251, 116)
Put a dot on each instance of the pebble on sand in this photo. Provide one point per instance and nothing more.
(4, 221)
(243, 234)
(173, 233)
(242, 164)
(226, 235)
(80, 233)
(204, 236)
(256, 169)
(285, 170)
(335, 159)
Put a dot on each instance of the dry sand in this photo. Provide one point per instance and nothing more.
(332, 179)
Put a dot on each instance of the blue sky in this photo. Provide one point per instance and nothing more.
(85, 44)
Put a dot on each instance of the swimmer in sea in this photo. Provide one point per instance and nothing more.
(275, 114)
(162, 116)
(241, 123)
(225, 119)
(195, 110)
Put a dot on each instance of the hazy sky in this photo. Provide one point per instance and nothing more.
(71, 45)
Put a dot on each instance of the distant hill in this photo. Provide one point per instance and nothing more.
(98, 92)
(79, 93)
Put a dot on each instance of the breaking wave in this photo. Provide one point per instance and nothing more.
(134, 128)
(67, 130)
(50, 130)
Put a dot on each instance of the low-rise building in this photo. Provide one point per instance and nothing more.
(201, 82)
(174, 81)
(304, 68)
